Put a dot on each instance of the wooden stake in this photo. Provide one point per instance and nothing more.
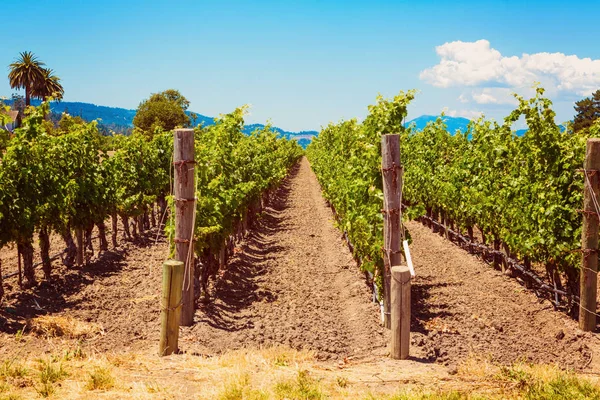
(400, 317)
(184, 191)
(80, 249)
(170, 307)
(392, 214)
(589, 240)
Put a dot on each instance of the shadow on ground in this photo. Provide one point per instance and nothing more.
(58, 294)
(238, 286)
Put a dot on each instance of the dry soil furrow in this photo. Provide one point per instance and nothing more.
(299, 285)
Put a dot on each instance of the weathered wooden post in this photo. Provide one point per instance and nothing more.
(170, 313)
(184, 192)
(392, 214)
(589, 237)
(400, 313)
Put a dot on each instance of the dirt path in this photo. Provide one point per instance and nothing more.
(293, 282)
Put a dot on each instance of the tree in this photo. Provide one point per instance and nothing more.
(18, 103)
(165, 110)
(48, 86)
(588, 111)
(26, 72)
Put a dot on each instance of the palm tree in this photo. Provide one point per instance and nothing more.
(25, 73)
(48, 86)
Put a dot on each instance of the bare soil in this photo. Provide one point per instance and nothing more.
(293, 282)
(461, 306)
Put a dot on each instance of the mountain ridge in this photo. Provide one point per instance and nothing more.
(120, 119)
(452, 123)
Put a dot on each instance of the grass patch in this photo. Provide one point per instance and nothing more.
(100, 379)
(240, 389)
(341, 382)
(452, 395)
(549, 383)
(51, 372)
(12, 369)
(304, 387)
(46, 390)
(74, 354)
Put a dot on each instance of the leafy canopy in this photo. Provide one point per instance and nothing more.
(588, 111)
(164, 111)
(28, 72)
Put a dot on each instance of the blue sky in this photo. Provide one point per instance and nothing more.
(302, 64)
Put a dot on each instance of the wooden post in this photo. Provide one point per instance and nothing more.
(392, 214)
(79, 238)
(170, 313)
(589, 237)
(184, 191)
(400, 317)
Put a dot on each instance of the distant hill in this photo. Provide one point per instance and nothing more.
(457, 123)
(453, 123)
(120, 120)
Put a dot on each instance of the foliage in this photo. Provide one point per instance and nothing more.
(5, 119)
(522, 192)
(28, 72)
(25, 73)
(69, 176)
(588, 111)
(17, 102)
(48, 86)
(165, 110)
(233, 170)
(346, 158)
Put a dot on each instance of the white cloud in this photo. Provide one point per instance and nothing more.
(470, 114)
(478, 64)
(491, 96)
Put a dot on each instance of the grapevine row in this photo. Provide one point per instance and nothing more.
(519, 194)
(346, 158)
(67, 179)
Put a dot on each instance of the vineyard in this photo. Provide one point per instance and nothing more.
(70, 179)
(289, 259)
(520, 196)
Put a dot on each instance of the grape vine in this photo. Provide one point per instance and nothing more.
(521, 193)
(71, 178)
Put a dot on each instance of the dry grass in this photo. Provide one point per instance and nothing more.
(100, 379)
(278, 373)
(58, 326)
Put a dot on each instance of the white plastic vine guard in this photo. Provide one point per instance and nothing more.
(408, 258)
